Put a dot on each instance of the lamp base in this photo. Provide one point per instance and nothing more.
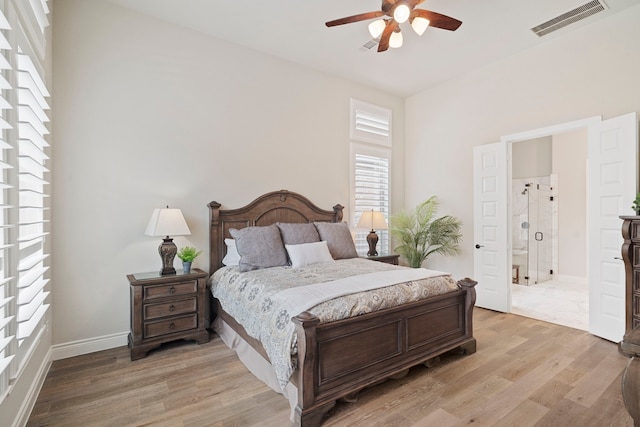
(167, 251)
(372, 240)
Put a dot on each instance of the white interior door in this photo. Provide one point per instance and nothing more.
(490, 226)
(612, 187)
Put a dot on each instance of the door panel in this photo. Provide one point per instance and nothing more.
(490, 227)
(612, 186)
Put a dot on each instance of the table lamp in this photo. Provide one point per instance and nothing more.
(372, 220)
(167, 222)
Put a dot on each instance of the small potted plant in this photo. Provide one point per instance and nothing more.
(187, 255)
(636, 204)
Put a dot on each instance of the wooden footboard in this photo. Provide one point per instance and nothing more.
(339, 358)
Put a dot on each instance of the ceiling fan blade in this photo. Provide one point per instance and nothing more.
(355, 18)
(386, 35)
(437, 20)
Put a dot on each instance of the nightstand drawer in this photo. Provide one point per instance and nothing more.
(171, 326)
(184, 288)
(635, 230)
(154, 311)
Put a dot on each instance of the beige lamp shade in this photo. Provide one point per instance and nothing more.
(167, 222)
(372, 220)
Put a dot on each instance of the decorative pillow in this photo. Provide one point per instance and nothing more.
(298, 233)
(232, 257)
(308, 253)
(338, 238)
(259, 247)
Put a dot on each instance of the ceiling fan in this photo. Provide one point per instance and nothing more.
(397, 12)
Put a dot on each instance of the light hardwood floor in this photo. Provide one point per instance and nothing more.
(525, 373)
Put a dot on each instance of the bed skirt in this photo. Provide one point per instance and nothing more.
(255, 363)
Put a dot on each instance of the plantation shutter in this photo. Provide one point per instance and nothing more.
(370, 123)
(7, 294)
(24, 189)
(371, 192)
(31, 231)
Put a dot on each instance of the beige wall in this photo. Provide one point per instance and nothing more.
(148, 114)
(589, 72)
(531, 158)
(570, 165)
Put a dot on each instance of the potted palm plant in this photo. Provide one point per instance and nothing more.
(187, 255)
(420, 234)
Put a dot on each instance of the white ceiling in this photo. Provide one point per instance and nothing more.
(294, 30)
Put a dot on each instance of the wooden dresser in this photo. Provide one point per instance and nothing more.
(166, 308)
(631, 257)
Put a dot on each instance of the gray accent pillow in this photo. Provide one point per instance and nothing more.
(338, 238)
(259, 247)
(298, 233)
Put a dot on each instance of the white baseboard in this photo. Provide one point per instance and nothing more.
(90, 345)
(563, 278)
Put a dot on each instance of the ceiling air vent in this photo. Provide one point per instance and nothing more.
(371, 43)
(575, 15)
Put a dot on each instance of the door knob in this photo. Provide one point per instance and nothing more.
(479, 246)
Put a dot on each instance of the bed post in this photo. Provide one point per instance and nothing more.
(214, 236)
(214, 256)
(338, 212)
(468, 285)
(306, 414)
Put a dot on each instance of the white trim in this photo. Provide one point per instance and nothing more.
(34, 390)
(551, 130)
(90, 345)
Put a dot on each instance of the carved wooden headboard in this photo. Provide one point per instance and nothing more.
(277, 206)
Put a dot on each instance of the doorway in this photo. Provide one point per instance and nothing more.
(549, 256)
(612, 183)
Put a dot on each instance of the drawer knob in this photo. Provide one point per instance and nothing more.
(172, 307)
(172, 325)
(172, 290)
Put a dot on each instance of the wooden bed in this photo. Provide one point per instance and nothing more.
(337, 359)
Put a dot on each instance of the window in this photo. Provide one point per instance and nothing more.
(24, 190)
(370, 123)
(370, 168)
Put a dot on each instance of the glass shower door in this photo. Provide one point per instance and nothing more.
(539, 238)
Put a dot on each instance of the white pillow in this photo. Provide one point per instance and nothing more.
(308, 253)
(232, 257)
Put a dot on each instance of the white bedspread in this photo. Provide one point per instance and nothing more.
(302, 298)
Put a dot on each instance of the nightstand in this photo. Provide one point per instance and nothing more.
(389, 259)
(166, 308)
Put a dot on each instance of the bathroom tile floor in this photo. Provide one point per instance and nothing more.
(562, 303)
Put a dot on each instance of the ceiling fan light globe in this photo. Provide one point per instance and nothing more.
(401, 13)
(395, 41)
(376, 28)
(419, 25)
